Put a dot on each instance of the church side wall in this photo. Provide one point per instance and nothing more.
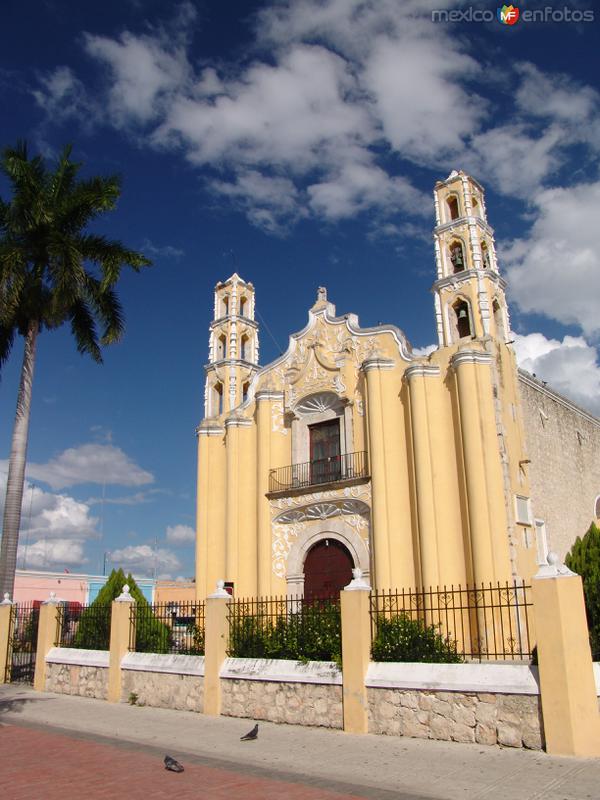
(563, 445)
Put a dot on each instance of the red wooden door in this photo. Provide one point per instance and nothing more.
(327, 569)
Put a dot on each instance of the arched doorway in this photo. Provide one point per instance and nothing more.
(327, 569)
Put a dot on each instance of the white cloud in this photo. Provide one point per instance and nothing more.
(54, 527)
(555, 269)
(145, 70)
(423, 109)
(180, 534)
(128, 500)
(420, 352)
(48, 553)
(47, 515)
(555, 96)
(144, 559)
(161, 251)
(515, 158)
(571, 366)
(62, 95)
(89, 463)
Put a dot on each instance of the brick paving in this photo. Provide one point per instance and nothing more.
(41, 765)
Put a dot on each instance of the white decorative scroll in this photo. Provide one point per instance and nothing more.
(303, 510)
(278, 425)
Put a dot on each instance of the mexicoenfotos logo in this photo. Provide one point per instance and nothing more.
(508, 15)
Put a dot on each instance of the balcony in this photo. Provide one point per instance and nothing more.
(335, 469)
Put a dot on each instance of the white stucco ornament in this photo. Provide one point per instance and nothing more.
(7, 601)
(220, 591)
(53, 600)
(358, 583)
(554, 568)
(125, 597)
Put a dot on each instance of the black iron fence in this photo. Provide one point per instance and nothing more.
(326, 470)
(168, 628)
(83, 627)
(22, 643)
(456, 623)
(285, 627)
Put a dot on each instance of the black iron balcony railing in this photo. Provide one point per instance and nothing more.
(327, 470)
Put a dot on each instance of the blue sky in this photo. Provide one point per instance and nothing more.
(298, 144)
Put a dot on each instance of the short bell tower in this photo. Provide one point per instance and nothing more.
(470, 299)
(232, 347)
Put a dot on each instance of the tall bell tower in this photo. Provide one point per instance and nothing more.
(470, 299)
(232, 347)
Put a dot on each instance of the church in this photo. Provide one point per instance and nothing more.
(349, 452)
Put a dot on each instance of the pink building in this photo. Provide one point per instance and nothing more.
(31, 585)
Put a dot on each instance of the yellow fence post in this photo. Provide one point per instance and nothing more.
(46, 639)
(356, 652)
(5, 633)
(215, 647)
(121, 633)
(567, 685)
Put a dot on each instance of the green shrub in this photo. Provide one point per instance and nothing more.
(401, 638)
(312, 633)
(93, 630)
(196, 648)
(584, 559)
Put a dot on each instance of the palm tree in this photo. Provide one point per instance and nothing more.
(52, 271)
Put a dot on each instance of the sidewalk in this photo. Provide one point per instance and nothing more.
(311, 763)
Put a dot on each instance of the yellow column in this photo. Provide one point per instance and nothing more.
(377, 464)
(216, 629)
(247, 550)
(263, 464)
(233, 499)
(567, 685)
(425, 490)
(356, 653)
(46, 640)
(402, 559)
(120, 634)
(210, 505)
(465, 364)
(5, 634)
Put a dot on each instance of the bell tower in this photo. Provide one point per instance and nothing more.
(232, 347)
(470, 297)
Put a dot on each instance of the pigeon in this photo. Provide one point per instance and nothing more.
(172, 765)
(251, 735)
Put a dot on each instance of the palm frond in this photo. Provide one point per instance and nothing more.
(7, 337)
(83, 328)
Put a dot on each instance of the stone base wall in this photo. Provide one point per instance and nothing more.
(512, 720)
(84, 681)
(293, 703)
(164, 690)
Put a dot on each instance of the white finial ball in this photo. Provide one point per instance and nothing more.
(357, 573)
(220, 584)
(553, 558)
(6, 597)
(52, 595)
(126, 589)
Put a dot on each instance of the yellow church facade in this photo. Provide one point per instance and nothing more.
(350, 452)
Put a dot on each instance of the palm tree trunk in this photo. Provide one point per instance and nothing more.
(16, 467)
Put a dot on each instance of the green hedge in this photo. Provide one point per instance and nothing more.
(584, 559)
(401, 638)
(310, 634)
